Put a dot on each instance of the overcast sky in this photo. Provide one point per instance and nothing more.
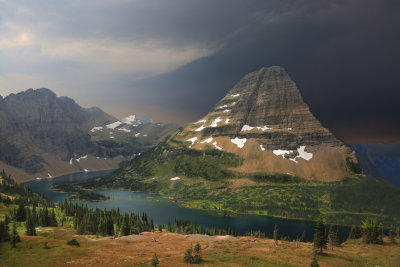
(174, 59)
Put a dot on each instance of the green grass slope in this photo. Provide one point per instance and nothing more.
(208, 181)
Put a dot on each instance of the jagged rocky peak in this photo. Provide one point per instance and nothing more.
(267, 105)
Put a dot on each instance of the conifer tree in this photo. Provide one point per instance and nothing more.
(303, 237)
(197, 253)
(392, 234)
(30, 225)
(189, 255)
(276, 235)
(333, 238)
(314, 262)
(155, 261)
(14, 236)
(21, 212)
(320, 241)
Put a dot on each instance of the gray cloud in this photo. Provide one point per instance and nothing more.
(174, 59)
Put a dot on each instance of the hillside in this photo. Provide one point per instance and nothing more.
(380, 160)
(138, 250)
(45, 136)
(260, 151)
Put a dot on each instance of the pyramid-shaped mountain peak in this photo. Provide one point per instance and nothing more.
(264, 119)
(267, 105)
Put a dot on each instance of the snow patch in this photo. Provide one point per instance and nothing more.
(86, 170)
(83, 157)
(145, 135)
(217, 147)
(137, 135)
(233, 103)
(262, 148)
(200, 121)
(175, 178)
(224, 106)
(303, 154)
(215, 122)
(227, 121)
(263, 128)
(235, 95)
(209, 140)
(282, 153)
(70, 161)
(301, 150)
(201, 128)
(247, 128)
(239, 142)
(289, 129)
(124, 130)
(192, 140)
(114, 125)
(227, 110)
(112, 137)
(97, 128)
(48, 174)
(129, 120)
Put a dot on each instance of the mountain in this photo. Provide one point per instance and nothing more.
(264, 120)
(43, 135)
(380, 160)
(260, 151)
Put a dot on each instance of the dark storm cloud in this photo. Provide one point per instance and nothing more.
(343, 55)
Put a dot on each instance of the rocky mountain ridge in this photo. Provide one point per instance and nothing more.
(43, 135)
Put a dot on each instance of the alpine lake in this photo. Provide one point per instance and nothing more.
(163, 210)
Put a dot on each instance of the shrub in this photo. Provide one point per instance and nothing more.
(73, 242)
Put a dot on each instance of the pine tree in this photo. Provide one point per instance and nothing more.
(314, 262)
(30, 225)
(155, 261)
(392, 234)
(21, 212)
(303, 237)
(333, 238)
(276, 235)
(197, 253)
(14, 236)
(189, 255)
(320, 241)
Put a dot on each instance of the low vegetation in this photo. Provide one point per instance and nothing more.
(71, 235)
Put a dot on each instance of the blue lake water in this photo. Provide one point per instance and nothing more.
(162, 210)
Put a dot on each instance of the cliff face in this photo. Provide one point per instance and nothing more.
(267, 106)
(264, 119)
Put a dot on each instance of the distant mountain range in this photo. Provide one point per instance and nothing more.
(380, 160)
(43, 135)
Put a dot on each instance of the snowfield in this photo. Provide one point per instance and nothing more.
(217, 147)
(215, 122)
(114, 125)
(239, 142)
(209, 140)
(97, 128)
(192, 140)
(201, 128)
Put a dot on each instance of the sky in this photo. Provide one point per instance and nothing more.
(174, 59)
